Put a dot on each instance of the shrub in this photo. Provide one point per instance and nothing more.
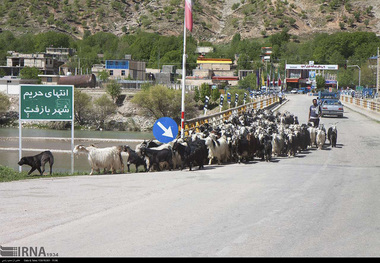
(104, 107)
(82, 106)
(161, 101)
(4, 102)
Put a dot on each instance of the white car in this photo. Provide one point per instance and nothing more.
(332, 107)
(294, 91)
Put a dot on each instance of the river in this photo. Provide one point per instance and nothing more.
(59, 142)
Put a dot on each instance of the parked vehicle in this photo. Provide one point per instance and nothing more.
(294, 91)
(332, 107)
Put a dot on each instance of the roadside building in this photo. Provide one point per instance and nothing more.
(213, 71)
(304, 75)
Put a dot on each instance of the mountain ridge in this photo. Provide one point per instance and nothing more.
(215, 21)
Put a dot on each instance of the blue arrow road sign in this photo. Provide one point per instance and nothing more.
(165, 129)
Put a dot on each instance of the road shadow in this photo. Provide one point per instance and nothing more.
(248, 162)
(335, 117)
(339, 146)
(206, 167)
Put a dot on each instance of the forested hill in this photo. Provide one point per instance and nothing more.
(214, 20)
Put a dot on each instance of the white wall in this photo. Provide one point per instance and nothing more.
(10, 89)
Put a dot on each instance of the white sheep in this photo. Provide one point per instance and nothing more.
(313, 135)
(108, 158)
(278, 143)
(320, 138)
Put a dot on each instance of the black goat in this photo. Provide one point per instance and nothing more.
(135, 159)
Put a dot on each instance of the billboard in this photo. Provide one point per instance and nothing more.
(313, 67)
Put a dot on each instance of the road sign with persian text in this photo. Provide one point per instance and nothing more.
(44, 102)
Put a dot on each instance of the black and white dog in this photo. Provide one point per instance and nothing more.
(38, 161)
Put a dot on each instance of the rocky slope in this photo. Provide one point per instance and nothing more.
(214, 20)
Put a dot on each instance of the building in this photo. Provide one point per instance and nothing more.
(11, 85)
(60, 54)
(45, 62)
(125, 69)
(304, 75)
(213, 71)
(266, 53)
(165, 76)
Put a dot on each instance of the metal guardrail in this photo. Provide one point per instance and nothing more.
(368, 104)
(220, 117)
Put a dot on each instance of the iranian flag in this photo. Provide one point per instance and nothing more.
(189, 15)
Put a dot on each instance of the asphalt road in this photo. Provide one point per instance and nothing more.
(321, 203)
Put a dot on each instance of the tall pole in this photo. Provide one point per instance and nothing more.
(377, 75)
(183, 80)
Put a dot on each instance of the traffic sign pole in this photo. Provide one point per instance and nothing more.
(46, 103)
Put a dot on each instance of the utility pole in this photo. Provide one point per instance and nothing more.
(377, 75)
(350, 66)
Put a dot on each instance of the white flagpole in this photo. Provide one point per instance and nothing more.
(183, 79)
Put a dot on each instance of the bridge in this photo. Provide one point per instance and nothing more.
(320, 203)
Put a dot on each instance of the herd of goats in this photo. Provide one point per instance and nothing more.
(256, 134)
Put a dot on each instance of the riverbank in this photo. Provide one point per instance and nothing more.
(128, 116)
(58, 142)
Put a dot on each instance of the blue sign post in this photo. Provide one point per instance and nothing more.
(229, 99)
(165, 129)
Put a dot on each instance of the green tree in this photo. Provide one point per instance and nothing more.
(197, 94)
(215, 95)
(103, 75)
(113, 89)
(368, 75)
(82, 106)
(346, 78)
(249, 82)
(51, 39)
(104, 107)
(30, 73)
(205, 91)
(2, 73)
(321, 82)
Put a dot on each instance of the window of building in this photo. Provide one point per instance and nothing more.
(111, 72)
(123, 72)
(49, 79)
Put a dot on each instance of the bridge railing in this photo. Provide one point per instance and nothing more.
(218, 118)
(368, 104)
